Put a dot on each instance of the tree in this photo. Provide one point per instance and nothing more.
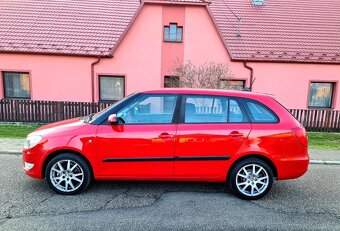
(208, 75)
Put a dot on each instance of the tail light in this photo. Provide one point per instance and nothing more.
(301, 135)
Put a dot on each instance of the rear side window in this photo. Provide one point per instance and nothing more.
(206, 109)
(213, 109)
(259, 113)
(235, 113)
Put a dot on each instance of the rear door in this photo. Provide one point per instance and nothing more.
(211, 130)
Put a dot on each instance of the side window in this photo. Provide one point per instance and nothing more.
(150, 109)
(16, 85)
(259, 113)
(173, 33)
(205, 109)
(235, 113)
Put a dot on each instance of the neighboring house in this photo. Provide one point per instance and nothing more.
(102, 50)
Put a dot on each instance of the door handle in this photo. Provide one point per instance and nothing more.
(165, 135)
(235, 134)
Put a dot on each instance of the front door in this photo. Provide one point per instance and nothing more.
(143, 145)
(213, 129)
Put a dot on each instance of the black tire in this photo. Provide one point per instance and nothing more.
(264, 185)
(82, 168)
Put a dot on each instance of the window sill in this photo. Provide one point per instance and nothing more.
(107, 101)
(16, 98)
(166, 41)
(321, 108)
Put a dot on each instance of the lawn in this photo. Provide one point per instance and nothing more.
(321, 140)
(15, 131)
(317, 140)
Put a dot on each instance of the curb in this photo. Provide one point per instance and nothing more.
(325, 162)
(328, 162)
(12, 152)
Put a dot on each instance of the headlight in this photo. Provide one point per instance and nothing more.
(31, 141)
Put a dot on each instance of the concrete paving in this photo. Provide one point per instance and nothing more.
(311, 202)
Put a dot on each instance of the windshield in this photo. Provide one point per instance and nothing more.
(93, 116)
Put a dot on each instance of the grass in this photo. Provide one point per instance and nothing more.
(322, 140)
(317, 140)
(16, 131)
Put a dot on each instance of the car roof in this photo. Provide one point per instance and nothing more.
(220, 92)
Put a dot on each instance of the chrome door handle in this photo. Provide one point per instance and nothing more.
(165, 135)
(235, 134)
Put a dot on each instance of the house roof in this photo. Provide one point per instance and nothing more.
(280, 31)
(68, 27)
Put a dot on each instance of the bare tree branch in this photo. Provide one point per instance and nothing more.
(208, 75)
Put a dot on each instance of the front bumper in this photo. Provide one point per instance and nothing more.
(33, 156)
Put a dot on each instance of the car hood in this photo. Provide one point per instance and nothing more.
(61, 126)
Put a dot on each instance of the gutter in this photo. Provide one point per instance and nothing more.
(92, 76)
(251, 79)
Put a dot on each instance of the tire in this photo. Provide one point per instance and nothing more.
(68, 174)
(247, 184)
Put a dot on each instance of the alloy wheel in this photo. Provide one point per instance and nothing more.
(66, 175)
(252, 180)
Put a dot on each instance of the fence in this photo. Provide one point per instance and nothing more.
(318, 120)
(51, 111)
(35, 111)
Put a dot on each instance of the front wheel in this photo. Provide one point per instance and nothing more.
(251, 179)
(68, 174)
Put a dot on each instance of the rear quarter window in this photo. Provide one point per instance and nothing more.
(259, 113)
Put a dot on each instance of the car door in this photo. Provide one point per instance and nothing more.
(211, 130)
(144, 145)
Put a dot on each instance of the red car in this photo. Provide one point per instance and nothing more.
(241, 138)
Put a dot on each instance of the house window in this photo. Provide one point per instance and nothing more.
(173, 33)
(111, 88)
(16, 85)
(237, 85)
(171, 81)
(321, 94)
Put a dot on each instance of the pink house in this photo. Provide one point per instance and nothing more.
(102, 50)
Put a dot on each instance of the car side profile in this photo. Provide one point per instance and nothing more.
(244, 139)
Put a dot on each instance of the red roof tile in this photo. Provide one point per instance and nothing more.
(281, 31)
(86, 27)
(285, 30)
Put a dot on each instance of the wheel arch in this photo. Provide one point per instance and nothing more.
(258, 156)
(61, 151)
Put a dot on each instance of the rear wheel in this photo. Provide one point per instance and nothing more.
(251, 179)
(68, 174)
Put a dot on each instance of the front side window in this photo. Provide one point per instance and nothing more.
(321, 95)
(173, 33)
(150, 109)
(16, 85)
(237, 85)
(259, 113)
(111, 88)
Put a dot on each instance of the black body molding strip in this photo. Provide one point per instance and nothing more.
(178, 158)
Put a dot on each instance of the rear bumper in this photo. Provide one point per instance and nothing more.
(292, 167)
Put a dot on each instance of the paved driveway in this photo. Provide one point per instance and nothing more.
(311, 202)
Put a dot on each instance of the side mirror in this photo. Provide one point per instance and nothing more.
(113, 119)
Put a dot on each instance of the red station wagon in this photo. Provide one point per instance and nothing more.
(241, 138)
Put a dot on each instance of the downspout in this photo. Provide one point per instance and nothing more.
(92, 76)
(251, 79)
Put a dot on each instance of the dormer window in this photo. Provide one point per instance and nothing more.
(173, 33)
